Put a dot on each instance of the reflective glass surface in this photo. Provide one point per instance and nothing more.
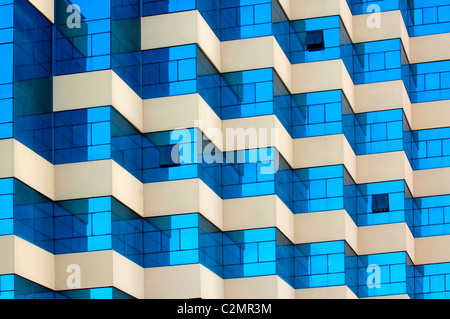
(106, 35)
(385, 274)
(99, 35)
(432, 281)
(325, 264)
(16, 287)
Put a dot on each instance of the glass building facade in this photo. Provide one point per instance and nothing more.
(78, 38)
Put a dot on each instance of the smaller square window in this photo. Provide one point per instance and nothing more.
(169, 155)
(314, 40)
(380, 203)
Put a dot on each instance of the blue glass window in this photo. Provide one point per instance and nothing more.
(383, 203)
(380, 203)
(251, 173)
(432, 281)
(322, 113)
(16, 287)
(168, 142)
(314, 40)
(32, 89)
(366, 6)
(26, 213)
(182, 239)
(378, 61)
(257, 252)
(385, 274)
(381, 131)
(6, 76)
(325, 264)
(318, 189)
(248, 19)
(99, 35)
(433, 148)
(97, 134)
(431, 81)
(432, 216)
(97, 224)
(169, 155)
(429, 18)
(86, 47)
(180, 70)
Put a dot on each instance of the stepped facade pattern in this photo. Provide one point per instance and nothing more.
(224, 149)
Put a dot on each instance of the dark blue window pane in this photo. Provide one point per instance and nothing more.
(32, 90)
(380, 203)
(314, 40)
(169, 155)
(384, 202)
(26, 213)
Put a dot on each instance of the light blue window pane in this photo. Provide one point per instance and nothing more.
(319, 264)
(189, 239)
(430, 15)
(266, 251)
(7, 295)
(251, 253)
(99, 243)
(6, 55)
(445, 80)
(436, 216)
(437, 283)
(434, 148)
(101, 224)
(335, 187)
(186, 69)
(7, 14)
(99, 152)
(263, 13)
(318, 189)
(398, 273)
(101, 293)
(6, 204)
(100, 204)
(376, 61)
(101, 133)
(247, 16)
(444, 14)
(101, 44)
(336, 263)
(432, 81)
(6, 108)
(6, 227)
(264, 91)
(98, 114)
